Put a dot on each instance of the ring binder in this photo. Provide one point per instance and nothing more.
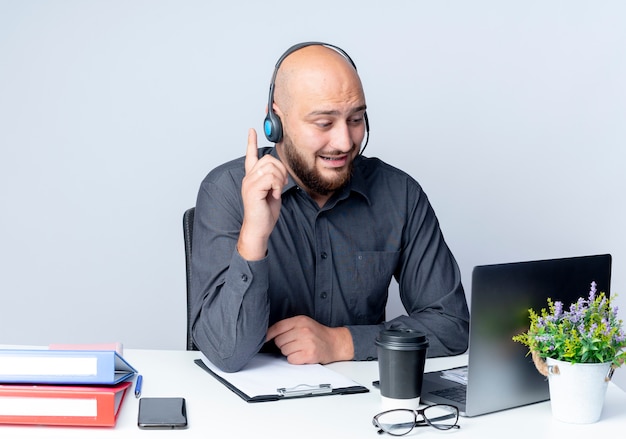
(304, 390)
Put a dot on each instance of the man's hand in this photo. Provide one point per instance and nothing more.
(261, 193)
(304, 341)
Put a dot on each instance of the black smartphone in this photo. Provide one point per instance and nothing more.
(162, 413)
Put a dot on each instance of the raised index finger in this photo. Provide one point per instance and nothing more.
(252, 153)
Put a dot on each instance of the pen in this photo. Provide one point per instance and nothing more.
(138, 384)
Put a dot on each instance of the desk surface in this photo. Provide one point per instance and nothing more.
(216, 412)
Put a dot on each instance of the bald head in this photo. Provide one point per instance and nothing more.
(312, 72)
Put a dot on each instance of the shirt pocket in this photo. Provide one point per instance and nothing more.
(372, 275)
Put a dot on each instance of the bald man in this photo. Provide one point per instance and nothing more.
(295, 246)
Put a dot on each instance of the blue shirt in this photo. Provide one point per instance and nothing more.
(333, 264)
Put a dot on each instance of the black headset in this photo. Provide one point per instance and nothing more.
(272, 125)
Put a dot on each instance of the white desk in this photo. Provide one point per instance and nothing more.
(216, 412)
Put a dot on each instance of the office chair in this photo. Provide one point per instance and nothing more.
(188, 235)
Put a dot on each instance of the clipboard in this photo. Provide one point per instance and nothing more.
(269, 377)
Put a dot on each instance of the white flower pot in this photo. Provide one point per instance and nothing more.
(577, 391)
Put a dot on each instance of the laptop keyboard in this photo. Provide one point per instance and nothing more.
(456, 393)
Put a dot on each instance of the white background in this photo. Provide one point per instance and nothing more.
(512, 115)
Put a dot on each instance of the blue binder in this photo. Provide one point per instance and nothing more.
(43, 366)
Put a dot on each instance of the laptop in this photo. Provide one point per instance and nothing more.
(500, 375)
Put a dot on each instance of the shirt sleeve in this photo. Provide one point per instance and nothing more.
(229, 302)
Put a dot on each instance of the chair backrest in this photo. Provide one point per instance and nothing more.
(188, 236)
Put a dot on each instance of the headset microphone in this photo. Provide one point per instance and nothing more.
(272, 126)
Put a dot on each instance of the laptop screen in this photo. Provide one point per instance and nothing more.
(500, 374)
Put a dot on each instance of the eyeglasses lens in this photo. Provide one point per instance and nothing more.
(397, 422)
(442, 417)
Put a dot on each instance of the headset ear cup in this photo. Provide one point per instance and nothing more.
(272, 127)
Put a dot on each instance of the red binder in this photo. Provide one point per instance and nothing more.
(61, 405)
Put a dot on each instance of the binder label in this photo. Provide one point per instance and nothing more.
(47, 365)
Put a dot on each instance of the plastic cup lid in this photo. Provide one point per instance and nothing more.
(401, 338)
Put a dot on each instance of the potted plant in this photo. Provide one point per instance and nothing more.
(577, 349)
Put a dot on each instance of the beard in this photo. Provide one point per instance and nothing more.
(310, 177)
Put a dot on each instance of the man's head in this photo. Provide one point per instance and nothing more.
(319, 99)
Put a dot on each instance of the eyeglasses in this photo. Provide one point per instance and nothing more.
(399, 422)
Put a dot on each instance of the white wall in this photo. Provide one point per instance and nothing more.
(511, 114)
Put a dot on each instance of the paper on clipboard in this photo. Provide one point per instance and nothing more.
(269, 377)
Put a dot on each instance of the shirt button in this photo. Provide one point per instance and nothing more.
(324, 255)
(323, 295)
(244, 278)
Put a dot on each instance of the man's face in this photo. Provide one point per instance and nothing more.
(323, 130)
